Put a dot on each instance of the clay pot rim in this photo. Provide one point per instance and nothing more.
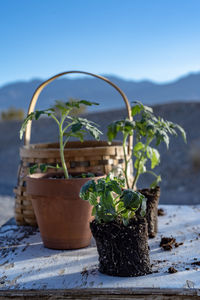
(45, 176)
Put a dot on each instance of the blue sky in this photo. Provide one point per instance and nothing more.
(134, 39)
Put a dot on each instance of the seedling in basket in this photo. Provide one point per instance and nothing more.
(111, 202)
(68, 126)
(148, 129)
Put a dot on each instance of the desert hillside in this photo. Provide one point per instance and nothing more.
(179, 168)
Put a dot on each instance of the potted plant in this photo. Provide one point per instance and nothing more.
(149, 130)
(119, 227)
(63, 218)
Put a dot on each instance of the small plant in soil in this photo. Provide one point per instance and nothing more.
(111, 202)
(63, 218)
(119, 227)
(149, 130)
(69, 126)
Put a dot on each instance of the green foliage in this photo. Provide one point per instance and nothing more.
(43, 168)
(111, 201)
(12, 114)
(148, 129)
(68, 126)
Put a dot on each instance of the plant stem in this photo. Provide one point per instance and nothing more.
(136, 177)
(126, 162)
(62, 157)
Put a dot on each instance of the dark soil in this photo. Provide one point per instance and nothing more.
(167, 243)
(172, 270)
(197, 263)
(178, 244)
(152, 196)
(161, 212)
(123, 250)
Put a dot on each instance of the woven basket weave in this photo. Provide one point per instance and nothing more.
(89, 156)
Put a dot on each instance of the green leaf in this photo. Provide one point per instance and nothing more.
(79, 135)
(92, 199)
(140, 165)
(86, 189)
(131, 199)
(38, 113)
(112, 131)
(76, 127)
(139, 107)
(136, 109)
(115, 187)
(182, 131)
(88, 103)
(90, 126)
(139, 146)
(25, 122)
(155, 159)
(33, 169)
(93, 211)
(43, 168)
(148, 109)
(155, 183)
(149, 152)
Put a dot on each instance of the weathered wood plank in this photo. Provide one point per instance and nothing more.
(114, 294)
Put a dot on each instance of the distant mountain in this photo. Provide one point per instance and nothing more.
(18, 94)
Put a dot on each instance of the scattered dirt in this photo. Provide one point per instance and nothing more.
(172, 270)
(10, 242)
(161, 212)
(178, 244)
(167, 243)
(197, 263)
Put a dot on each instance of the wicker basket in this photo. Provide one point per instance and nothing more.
(89, 156)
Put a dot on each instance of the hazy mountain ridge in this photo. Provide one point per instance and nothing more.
(19, 94)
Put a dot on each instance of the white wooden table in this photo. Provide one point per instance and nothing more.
(29, 270)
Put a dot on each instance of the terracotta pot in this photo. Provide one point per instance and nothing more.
(63, 217)
(153, 196)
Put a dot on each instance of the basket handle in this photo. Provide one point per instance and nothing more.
(41, 87)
